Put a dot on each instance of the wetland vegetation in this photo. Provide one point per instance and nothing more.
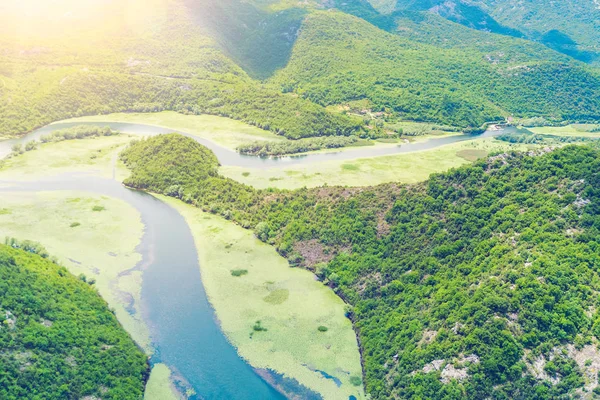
(275, 315)
(390, 265)
(429, 265)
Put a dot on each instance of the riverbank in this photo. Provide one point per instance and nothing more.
(89, 234)
(279, 318)
(229, 133)
(223, 131)
(404, 168)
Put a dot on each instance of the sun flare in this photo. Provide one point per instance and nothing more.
(56, 18)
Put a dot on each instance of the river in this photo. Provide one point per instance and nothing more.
(231, 158)
(184, 330)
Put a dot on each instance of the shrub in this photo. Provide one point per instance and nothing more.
(239, 272)
(31, 145)
(258, 327)
(356, 380)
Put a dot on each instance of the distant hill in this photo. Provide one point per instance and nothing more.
(170, 62)
(415, 74)
(571, 27)
(277, 64)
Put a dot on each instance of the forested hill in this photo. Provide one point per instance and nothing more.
(481, 282)
(482, 77)
(277, 65)
(135, 56)
(571, 27)
(58, 339)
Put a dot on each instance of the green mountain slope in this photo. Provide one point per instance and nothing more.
(257, 38)
(339, 58)
(571, 27)
(122, 67)
(480, 283)
(58, 339)
(430, 69)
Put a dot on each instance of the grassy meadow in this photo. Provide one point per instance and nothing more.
(226, 132)
(569, 130)
(279, 318)
(92, 156)
(404, 168)
(89, 234)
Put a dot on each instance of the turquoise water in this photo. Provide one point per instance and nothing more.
(184, 329)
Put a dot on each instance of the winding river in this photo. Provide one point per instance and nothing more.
(232, 158)
(184, 329)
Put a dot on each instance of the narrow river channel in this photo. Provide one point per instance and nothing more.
(183, 326)
(232, 158)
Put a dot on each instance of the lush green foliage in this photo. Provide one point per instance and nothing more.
(338, 58)
(497, 260)
(532, 138)
(58, 340)
(570, 27)
(264, 149)
(84, 93)
(77, 132)
(163, 158)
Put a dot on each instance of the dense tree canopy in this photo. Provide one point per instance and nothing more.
(459, 285)
(58, 339)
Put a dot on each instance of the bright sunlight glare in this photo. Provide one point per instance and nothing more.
(55, 18)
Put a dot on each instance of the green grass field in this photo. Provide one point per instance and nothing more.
(92, 156)
(99, 244)
(569, 130)
(247, 281)
(223, 131)
(404, 168)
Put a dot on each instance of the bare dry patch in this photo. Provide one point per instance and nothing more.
(535, 366)
(363, 282)
(450, 373)
(471, 154)
(428, 337)
(313, 252)
(588, 359)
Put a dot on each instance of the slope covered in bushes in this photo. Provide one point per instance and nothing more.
(109, 66)
(460, 286)
(58, 339)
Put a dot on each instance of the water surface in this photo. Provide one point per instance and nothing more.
(184, 330)
(231, 158)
